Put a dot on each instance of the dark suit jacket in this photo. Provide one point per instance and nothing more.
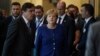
(1, 34)
(69, 26)
(19, 41)
(83, 38)
(3, 29)
(9, 19)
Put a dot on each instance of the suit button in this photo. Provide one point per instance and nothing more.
(53, 43)
(54, 48)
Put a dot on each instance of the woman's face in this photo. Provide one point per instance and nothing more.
(51, 18)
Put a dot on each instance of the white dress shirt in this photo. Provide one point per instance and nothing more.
(39, 22)
(14, 17)
(86, 21)
(26, 21)
(62, 18)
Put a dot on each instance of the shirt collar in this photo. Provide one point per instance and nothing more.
(62, 16)
(15, 18)
(38, 19)
(87, 19)
(26, 21)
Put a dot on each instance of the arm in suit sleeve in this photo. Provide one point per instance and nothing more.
(65, 43)
(90, 51)
(71, 34)
(10, 38)
(38, 42)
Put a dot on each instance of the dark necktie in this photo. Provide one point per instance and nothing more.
(84, 27)
(16, 17)
(84, 23)
(59, 20)
(30, 27)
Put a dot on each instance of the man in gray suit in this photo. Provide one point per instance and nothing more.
(93, 41)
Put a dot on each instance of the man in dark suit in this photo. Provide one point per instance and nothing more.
(20, 35)
(73, 12)
(3, 27)
(68, 24)
(88, 15)
(15, 12)
(1, 32)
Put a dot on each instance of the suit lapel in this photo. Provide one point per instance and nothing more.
(25, 29)
(65, 19)
(86, 27)
(29, 38)
(89, 22)
(24, 26)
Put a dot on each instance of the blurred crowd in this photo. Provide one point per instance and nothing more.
(63, 31)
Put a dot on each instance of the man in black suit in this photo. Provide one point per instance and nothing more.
(3, 30)
(88, 15)
(15, 12)
(20, 35)
(68, 24)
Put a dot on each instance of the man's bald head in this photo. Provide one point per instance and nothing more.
(61, 6)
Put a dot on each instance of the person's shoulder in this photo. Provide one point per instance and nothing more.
(93, 19)
(69, 19)
(9, 17)
(60, 26)
(96, 25)
(16, 21)
(43, 27)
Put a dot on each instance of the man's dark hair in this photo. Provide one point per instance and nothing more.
(16, 3)
(27, 5)
(39, 7)
(89, 8)
(73, 6)
(70, 6)
(76, 8)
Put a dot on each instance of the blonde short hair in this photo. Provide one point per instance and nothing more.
(52, 11)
